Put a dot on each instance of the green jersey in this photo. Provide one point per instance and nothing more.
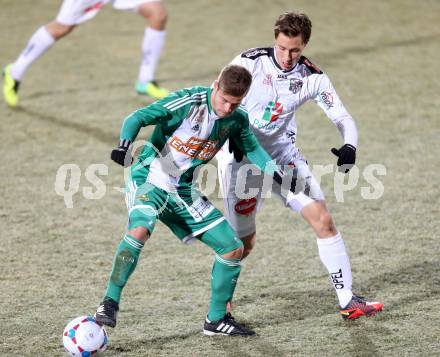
(188, 134)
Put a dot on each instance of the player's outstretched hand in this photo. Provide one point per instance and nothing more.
(122, 155)
(233, 148)
(346, 157)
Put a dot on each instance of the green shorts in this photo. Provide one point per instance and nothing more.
(189, 216)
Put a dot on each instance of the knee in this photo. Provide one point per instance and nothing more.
(139, 233)
(246, 252)
(326, 226)
(248, 244)
(317, 215)
(155, 13)
(160, 16)
(325, 219)
(234, 254)
(58, 30)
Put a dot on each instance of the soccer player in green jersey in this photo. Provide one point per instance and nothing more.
(191, 126)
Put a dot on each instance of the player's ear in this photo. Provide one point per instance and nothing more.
(215, 85)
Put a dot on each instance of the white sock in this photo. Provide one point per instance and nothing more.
(151, 48)
(334, 256)
(39, 43)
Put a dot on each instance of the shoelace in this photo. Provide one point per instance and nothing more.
(229, 318)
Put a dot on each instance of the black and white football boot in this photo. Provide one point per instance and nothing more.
(227, 326)
(106, 312)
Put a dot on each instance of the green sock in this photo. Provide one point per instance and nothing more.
(124, 263)
(224, 277)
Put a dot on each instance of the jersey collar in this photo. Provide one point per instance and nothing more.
(273, 58)
(208, 100)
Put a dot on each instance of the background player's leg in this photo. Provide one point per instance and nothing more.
(334, 256)
(310, 202)
(240, 212)
(38, 44)
(248, 244)
(71, 13)
(154, 38)
(330, 246)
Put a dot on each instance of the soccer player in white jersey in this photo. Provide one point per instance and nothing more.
(75, 12)
(283, 80)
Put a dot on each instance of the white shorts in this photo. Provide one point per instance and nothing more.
(244, 190)
(74, 12)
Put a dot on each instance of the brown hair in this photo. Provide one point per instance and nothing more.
(293, 24)
(235, 80)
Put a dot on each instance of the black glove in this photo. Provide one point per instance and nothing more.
(233, 148)
(346, 157)
(122, 154)
(278, 178)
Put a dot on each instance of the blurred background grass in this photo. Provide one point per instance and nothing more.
(382, 58)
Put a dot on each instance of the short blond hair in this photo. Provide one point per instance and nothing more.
(235, 80)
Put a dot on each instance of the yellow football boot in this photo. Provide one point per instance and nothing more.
(10, 87)
(152, 89)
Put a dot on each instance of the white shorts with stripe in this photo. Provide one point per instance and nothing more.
(74, 12)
